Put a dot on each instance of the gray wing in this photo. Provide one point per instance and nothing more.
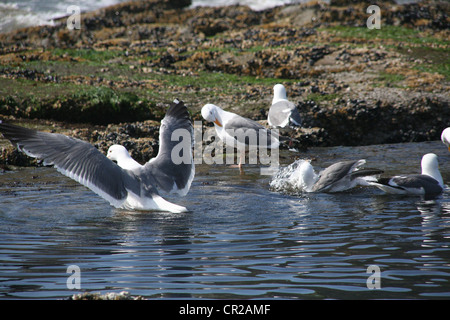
(295, 118)
(334, 173)
(413, 181)
(343, 171)
(76, 159)
(248, 131)
(173, 168)
(283, 113)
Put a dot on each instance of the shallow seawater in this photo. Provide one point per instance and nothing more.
(239, 240)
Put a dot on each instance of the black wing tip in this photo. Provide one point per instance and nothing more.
(386, 182)
(6, 125)
(178, 101)
(178, 109)
(12, 131)
(366, 173)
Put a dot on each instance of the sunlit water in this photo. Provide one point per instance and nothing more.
(240, 239)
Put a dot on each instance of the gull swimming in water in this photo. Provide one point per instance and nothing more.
(344, 175)
(127, 184)
(282, 112)
(338, 177)
(239, 132)
(429, 182)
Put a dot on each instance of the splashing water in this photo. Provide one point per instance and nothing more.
(295, 178)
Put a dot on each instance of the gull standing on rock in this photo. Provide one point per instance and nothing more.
(430, 182)
(282, 112)
(237, 131)
(127, 184)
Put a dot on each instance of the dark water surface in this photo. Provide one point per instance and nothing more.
(240, 239)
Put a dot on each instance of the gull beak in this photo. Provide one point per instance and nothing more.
(217, 122)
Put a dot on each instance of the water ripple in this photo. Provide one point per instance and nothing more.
(240, 240)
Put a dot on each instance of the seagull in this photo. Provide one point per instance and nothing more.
(428, 183)
(117, 177)
(344, 175)
(237, 131)
(282, 112)
(445, 137)
(338, 177)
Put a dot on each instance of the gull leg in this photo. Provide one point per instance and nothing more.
(241, 159)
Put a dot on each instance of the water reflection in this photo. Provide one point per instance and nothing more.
(240, 239)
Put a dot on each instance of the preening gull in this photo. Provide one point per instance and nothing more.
(428, 183)
(127, 184)
(282, 112)
(340, 176)
(445, 137)
(239, 132)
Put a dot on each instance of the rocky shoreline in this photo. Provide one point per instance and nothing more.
(110, 81)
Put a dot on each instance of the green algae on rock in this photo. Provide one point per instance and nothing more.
(128, 61)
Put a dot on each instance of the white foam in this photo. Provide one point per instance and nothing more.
(297, 177)
(26, 13)
(15, 17)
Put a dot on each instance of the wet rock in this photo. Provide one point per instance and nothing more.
(433, 15)
(97, 106)
(120, 15)
(359, 122)
(341, 3)
(11, 156)
(211, 21)
(349, 90)
(423, 14)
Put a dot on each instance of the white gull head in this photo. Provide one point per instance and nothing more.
(120, 154)
(430, 167)
(445, 137)
(210, 112)
(279, 93)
